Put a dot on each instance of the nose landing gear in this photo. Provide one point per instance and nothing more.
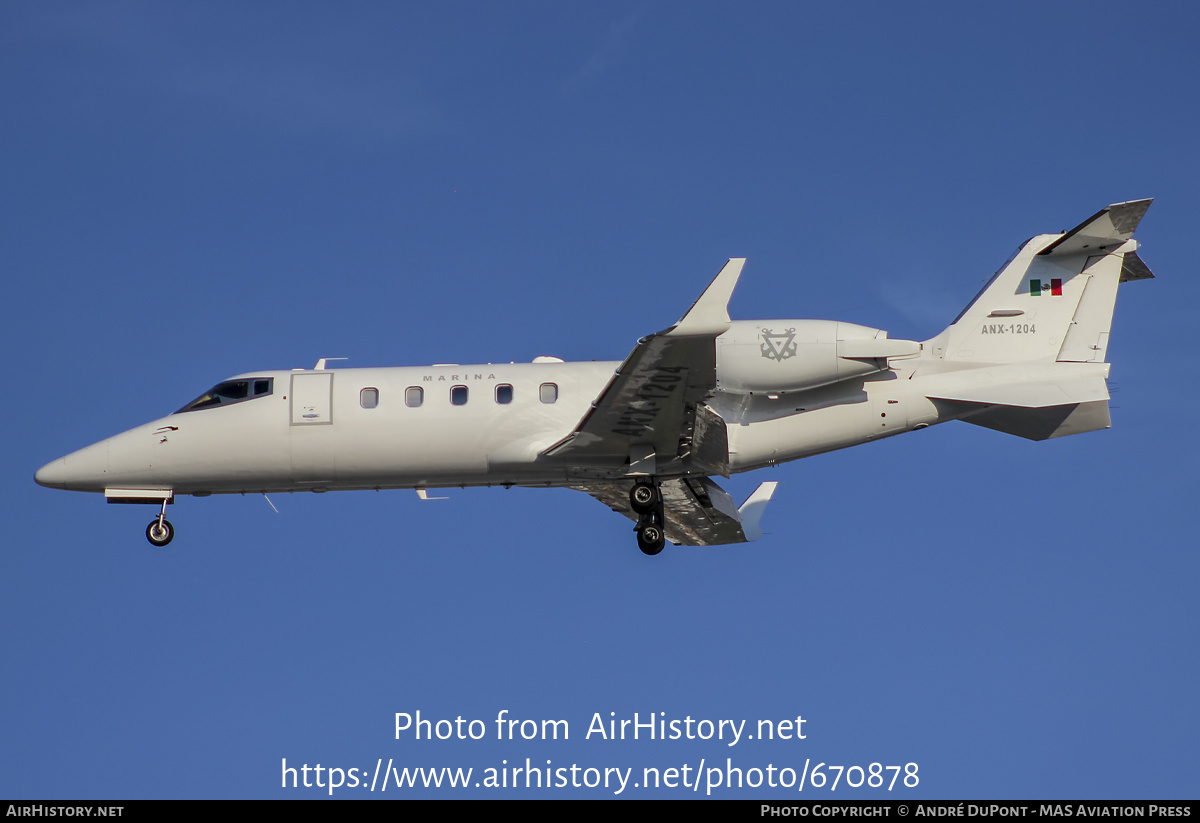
(646, 499)
(160, 531)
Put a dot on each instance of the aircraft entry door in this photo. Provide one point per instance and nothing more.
(312, 399)
(314, 456)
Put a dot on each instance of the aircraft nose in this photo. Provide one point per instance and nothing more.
(53, 475)
(84, 470)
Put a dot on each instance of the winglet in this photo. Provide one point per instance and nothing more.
(709, 315)
(751, 511)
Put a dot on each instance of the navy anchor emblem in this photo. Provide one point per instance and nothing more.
(779, 346)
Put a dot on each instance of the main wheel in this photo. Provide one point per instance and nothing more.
(160, 535)
(651, 539)
(642, 497)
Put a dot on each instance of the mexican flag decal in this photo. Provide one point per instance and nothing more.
(1039, 287)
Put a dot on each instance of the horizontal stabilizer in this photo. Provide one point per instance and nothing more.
(1103, 230)
(1134, 269)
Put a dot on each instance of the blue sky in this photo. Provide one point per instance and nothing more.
(190, 192)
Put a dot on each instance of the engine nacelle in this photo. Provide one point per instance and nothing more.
(791, 355)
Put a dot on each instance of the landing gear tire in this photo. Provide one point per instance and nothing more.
(160, 533)
(651, 539)
(643, 497)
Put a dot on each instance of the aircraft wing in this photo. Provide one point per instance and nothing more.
(698, 511)
(647, 410)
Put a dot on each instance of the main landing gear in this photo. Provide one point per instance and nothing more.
(645, 498)
(160, 531)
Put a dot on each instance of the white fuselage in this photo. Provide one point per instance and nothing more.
(268, 444)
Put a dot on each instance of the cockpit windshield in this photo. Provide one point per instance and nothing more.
(230, 392)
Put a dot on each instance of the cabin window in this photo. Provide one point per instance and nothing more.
(548, 392)
(368, 398)
(504, 394)
(414, 396)
(230, 392)
(458, 395)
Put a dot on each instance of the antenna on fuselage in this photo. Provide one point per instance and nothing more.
(321, 363)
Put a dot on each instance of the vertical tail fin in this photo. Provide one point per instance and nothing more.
(1037, 334)
(1054, 300)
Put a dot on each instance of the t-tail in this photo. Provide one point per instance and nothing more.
(1027, 356)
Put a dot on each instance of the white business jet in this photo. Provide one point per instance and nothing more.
(707, 396)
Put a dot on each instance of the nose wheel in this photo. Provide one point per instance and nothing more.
(160, 531)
